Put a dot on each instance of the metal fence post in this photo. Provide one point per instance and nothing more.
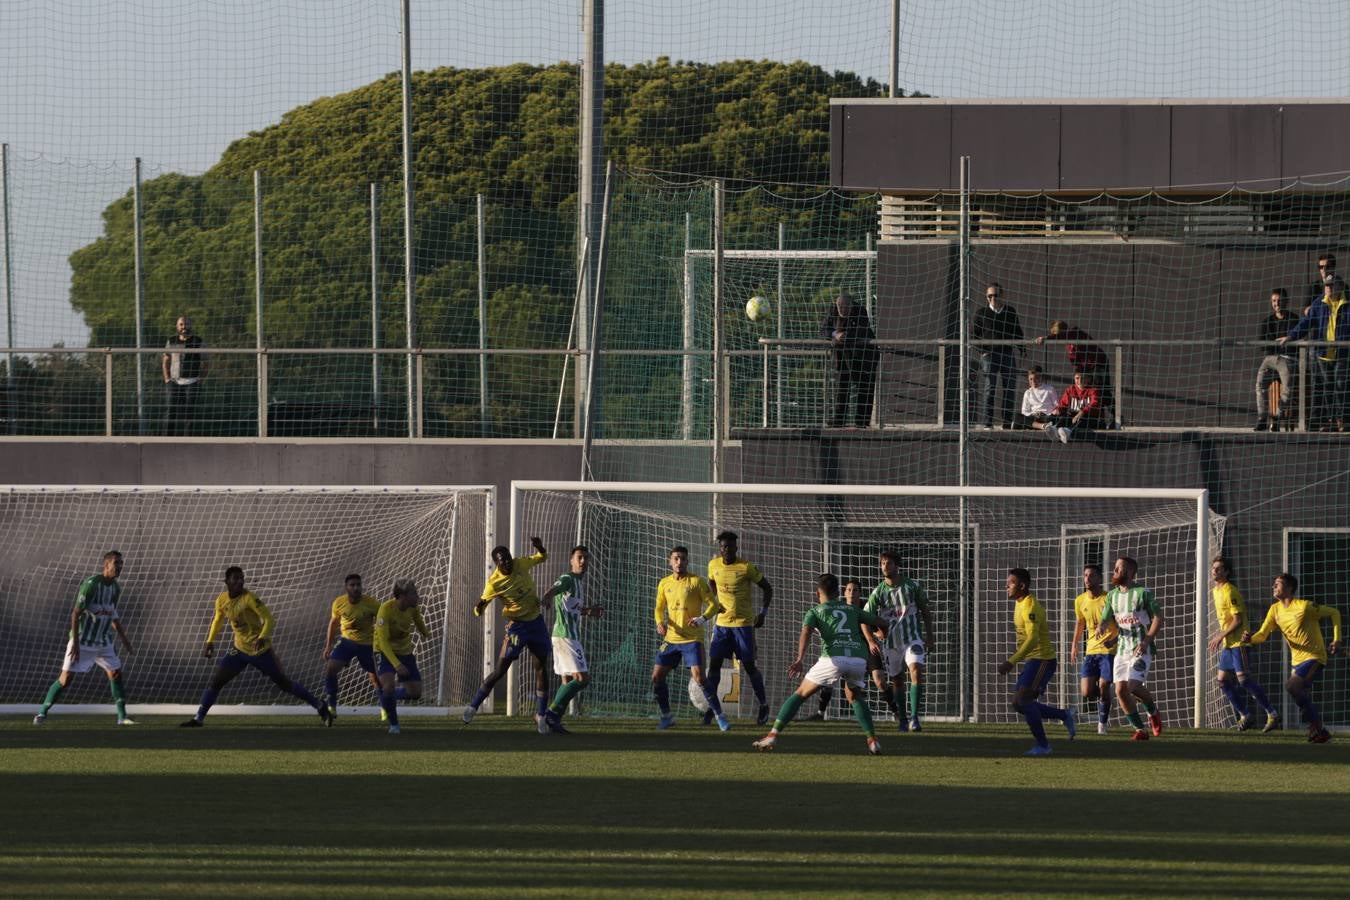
(108, 391)
(483, 424)
(9, 291)
(375, 306)
(139, 270)
(262, 392)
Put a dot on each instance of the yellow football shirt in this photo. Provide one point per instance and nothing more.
(357, 619)
(394, 628)
(733, 590)
(1300, 621)
(1033, 633)
(1229, 605)
(250, 620)
(520, 601)
(1088, 609)
(677, 601)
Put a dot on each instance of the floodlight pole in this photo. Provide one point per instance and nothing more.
(590, 200)
(963, 524)
(375, 306)
(483, 420)
(259, 337)
(895, 49)
(409, 253)
(780, 314)
(687, 339)
(138, 255)
(719, 387)
(11, 412)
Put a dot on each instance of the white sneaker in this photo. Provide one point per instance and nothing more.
(39, 719)
(1101, 728)
(1063, 434)
(127, 720)
(766, 743)
(468, 714)
(541, 724)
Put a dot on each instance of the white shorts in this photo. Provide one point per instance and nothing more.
(898, 660)
(828, 670)
(1132, 668)
(105, 657)
(568, 657)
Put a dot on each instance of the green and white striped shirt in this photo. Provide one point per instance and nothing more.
(1133, 610)
(97, 603)
(567, 604)
(899, 607)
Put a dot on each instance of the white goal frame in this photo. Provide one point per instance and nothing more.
(1199, 497)
(432, 704)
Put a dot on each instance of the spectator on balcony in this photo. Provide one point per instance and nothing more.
(1087, 358)
(1326, 267)
(1328, 320)
(1038, 401)
(848, 328)
(1078, 410)
(997, 321)
(1279, 363)
(184, 367)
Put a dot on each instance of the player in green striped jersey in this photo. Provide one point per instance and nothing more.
(93, 620)
(903, 604)
(843, 657)
(569, 658)
(1135, 612)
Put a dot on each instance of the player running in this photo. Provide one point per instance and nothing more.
(354, 616)
(1235, 674)
(1095, 673)
(902, 603)
(684, 603)
(511, 583)
(92, 618)
(569, 657)
(843, 657)
(1037, 656)
(1138, 619)
(1300, 621)
(394, 658)
(252, 624)
(730, 577)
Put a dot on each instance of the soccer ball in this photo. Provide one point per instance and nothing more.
(757, 309)
(696, 696)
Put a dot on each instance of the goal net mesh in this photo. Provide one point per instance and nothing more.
(792, 537)
(295, 546)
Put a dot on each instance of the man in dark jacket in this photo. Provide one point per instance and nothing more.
(848, 328)
(997, 321)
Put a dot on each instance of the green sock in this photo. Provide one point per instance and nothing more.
(788, 711)
(52, 693)
(1135, 719)
(1149, 707)
(119, 697)
(864, 717)
(915, 695)
(565, 694)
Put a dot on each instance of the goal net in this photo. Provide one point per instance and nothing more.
(794, 532)
(295, 545)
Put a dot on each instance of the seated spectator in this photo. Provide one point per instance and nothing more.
(1079, 409)
(1279, 364)
(1085, 357)
(1038, 400)
(1328, 320)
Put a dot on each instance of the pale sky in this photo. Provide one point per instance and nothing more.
(88, 85)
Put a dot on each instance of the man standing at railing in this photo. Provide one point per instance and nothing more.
(184, 367)
(998, 364)
(1278, 364)
(848, 328)
(1328, 320)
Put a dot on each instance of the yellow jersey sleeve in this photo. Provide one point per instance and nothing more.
(218, 620)
(1269, 625)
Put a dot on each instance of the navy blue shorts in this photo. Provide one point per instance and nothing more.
(1097, 666)
(1036, 674)
(1308, 670)
(346, 650)
(671, 655)
(728, 642)
(532, 635)
(384, 666)
(236, 660)
(1233, 659)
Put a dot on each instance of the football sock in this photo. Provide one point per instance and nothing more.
(52, 693)
(1235, 700)
(711, 696)
(1051, 712)
(1032, 712)
(303, 693)
(540, 702)
(787, 712)
(864, 717)
(208, 700)
(119, 697)
(330, 689)
(889, 696)
(825, 695)
(1104, 708)
(1149, 707)
(1305, 705)
(479, 697)
(1135, 719)
(714, 679)
(565, 694)
(915, 695)
(390, 706)
(662, 692)
(1254, 688)
(400, 693)
(757, 683)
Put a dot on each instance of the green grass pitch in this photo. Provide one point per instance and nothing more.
(287, 808)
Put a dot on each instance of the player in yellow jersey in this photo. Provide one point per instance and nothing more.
(354, 616)
(511, 583)
(1235, 673)
(1300, 621)
(684, 604)
(252, 624)
(1094, 675)
(730, 578)
(394, 658)
(1037, 656)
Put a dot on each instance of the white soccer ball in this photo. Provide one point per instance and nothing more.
(757, 309)
(696, 696)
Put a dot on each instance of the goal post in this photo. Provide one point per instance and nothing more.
(295, 544)
(795, 531)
